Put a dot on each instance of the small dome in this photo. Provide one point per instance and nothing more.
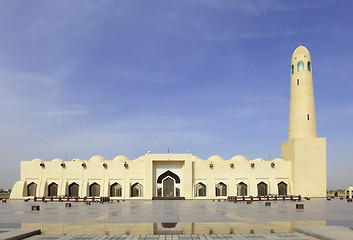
(120, 158)
(58, 160)
(239, 158)
(277, 160)
(142, 158)
(301, 50)
(77, 160)
(37, 160)
(97, 158)
(215, 158)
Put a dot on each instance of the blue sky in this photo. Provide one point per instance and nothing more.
(80, 78)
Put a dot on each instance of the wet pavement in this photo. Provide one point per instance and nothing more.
(289, 236)
(188, 217)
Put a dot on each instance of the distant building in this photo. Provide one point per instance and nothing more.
(300, 171)
(349, 192)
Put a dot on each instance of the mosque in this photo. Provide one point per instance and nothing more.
(301, 170)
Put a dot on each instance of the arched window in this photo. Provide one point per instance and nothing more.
(262, 189)
(282, 188)
(292, 69)
(309, 66)
(73, 190)
(31, 189)
(94, 190)
(242, 189)
(300, 66)
(115, 190)
(221, 189)
(136, 190)
(53, 189)
(200, 190)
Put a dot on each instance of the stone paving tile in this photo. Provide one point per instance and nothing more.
(274, 236)
(17, 233)
(327, 232)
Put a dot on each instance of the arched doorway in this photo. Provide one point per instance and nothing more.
(31, 189)
(262, 189)
(53, 190)
(94, 190)
(282, 188)
(221, 189)
(200, 190)
(168, 184)
(115, 190)
(136, 190)
(73, 190)
(168, 187)
(242, 189)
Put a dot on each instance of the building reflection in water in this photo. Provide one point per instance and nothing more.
(95, 228)
(167, 228)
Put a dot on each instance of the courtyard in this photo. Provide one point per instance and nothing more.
(168, 217)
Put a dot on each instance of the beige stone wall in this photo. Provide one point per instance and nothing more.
(308, 159)
(143, 170)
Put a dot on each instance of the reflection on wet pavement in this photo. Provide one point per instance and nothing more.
(174, 217)
(159, 229)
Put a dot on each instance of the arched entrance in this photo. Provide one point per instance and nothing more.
(282, 188)
(242, 189)
(136, 190)
(94, 190)
(168, 187)
(221, 189)
(262, 189)
(73, 190)
(168, 184)
(115, 190)
(31, 189)
(200, 190)
(53, 189)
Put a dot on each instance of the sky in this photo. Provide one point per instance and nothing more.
(83, 78)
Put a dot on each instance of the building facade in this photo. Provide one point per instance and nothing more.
(300, 171)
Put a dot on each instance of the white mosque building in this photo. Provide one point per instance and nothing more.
(301, 170)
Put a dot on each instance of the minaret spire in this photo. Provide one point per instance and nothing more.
(302, 119)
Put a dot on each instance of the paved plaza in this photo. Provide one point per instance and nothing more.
(189, 218)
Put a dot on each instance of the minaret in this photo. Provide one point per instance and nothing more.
(302, 120)
(304, 150)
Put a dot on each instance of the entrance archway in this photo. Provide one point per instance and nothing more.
(53, 189)
(168, 187)
(31, 189)
(73, 190)
(262, 189)
(168, 180)
(282, 188)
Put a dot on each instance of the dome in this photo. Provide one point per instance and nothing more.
(216, 158)
(120, 158)
(277, 159)
(301, 50)
(142, 158)
(77, 160)
(37, 160)
(58, 160)
(239, 158)
(97, 158)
